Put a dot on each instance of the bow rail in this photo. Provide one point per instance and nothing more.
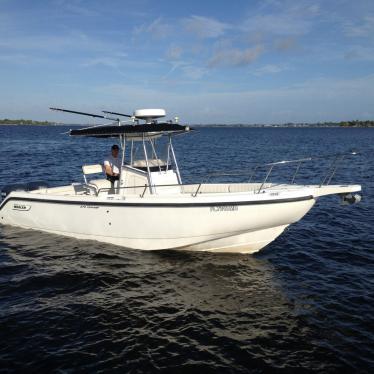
(269, 167)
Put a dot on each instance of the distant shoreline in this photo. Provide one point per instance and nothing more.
(299, 125)
(23, 122)
(343, 124)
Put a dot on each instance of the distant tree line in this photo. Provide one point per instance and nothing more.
(7, 121)
(357, 123)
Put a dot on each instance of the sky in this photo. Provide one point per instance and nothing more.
(205, 61)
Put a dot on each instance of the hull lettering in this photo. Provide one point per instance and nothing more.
(224, 208)
(21, 207)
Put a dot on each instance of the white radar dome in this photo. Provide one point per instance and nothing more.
(149, 114)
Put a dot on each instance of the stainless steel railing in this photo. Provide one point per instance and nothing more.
(249, 174)
(269, 167)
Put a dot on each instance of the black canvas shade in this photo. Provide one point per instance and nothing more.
(153, 129)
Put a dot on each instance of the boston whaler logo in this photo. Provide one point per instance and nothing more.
(18, 206)
(224, 208)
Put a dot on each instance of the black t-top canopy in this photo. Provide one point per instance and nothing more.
(131, 131)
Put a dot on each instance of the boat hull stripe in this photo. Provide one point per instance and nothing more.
(158, 205)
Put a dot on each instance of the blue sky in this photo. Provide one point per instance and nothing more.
(206, 61)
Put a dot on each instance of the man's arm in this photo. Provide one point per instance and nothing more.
(108, 170)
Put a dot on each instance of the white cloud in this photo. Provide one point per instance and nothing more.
(204, 27)
(310, 101)
(112, 62)
(235, 56)
(194, 72)
(73, 40)
(158, 29)
(23, 59)
(188, 70)
(174, 52)
(363, 28)
(283, 19)
(279, 24)
(84, 8)
(285, 44)
(76, 7)
(269, 69)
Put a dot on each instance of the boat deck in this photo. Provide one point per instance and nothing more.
(189, 189)
(193, 190)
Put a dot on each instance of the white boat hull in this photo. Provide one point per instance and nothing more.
(236, 223)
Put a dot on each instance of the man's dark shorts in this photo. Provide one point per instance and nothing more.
(112, 178)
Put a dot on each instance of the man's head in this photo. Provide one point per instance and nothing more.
(115, 150)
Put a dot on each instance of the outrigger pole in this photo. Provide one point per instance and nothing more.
(121, 138)
(118, 114)
(85, 114)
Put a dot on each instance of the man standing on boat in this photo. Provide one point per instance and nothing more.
(112, 164)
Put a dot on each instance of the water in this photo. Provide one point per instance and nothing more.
(305, 303)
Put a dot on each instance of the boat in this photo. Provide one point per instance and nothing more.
(150, 208)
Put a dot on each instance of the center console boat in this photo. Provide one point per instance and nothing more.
(150, 208)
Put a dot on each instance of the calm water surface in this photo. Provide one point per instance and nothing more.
(305, 303)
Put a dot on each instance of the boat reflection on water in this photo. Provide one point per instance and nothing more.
(148, 310)
(202, 285)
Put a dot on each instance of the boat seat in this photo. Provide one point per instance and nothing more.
(151, 162)
(100, 184)
(154, 164)
(92, 169)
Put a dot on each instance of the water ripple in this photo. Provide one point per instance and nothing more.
(303, 304)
